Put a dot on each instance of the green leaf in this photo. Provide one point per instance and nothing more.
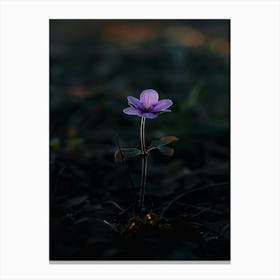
(156, 144)
(126, 153)
(167, 151)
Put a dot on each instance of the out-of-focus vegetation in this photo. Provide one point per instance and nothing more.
(94, 66)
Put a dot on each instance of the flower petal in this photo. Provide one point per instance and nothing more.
(135, 102)
(162, 105)
(148, 115)
(132, 111)
(148, 98)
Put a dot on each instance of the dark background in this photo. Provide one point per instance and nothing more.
(94, 66)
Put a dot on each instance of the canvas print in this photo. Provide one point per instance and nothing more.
(139, 140)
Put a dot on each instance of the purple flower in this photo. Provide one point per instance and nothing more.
(148, 106)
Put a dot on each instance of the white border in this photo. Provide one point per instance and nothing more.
(254, 129)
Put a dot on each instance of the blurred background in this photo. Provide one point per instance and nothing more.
(94, 66)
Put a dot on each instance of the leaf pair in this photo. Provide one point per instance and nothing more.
(161, 145)
(125, 153)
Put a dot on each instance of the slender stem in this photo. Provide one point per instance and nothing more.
(142, 135)
(144, 166)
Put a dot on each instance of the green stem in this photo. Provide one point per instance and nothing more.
(144, 166)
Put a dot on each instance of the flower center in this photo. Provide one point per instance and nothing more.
(147, 109)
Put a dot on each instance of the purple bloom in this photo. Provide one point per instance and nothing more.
(148, 106)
